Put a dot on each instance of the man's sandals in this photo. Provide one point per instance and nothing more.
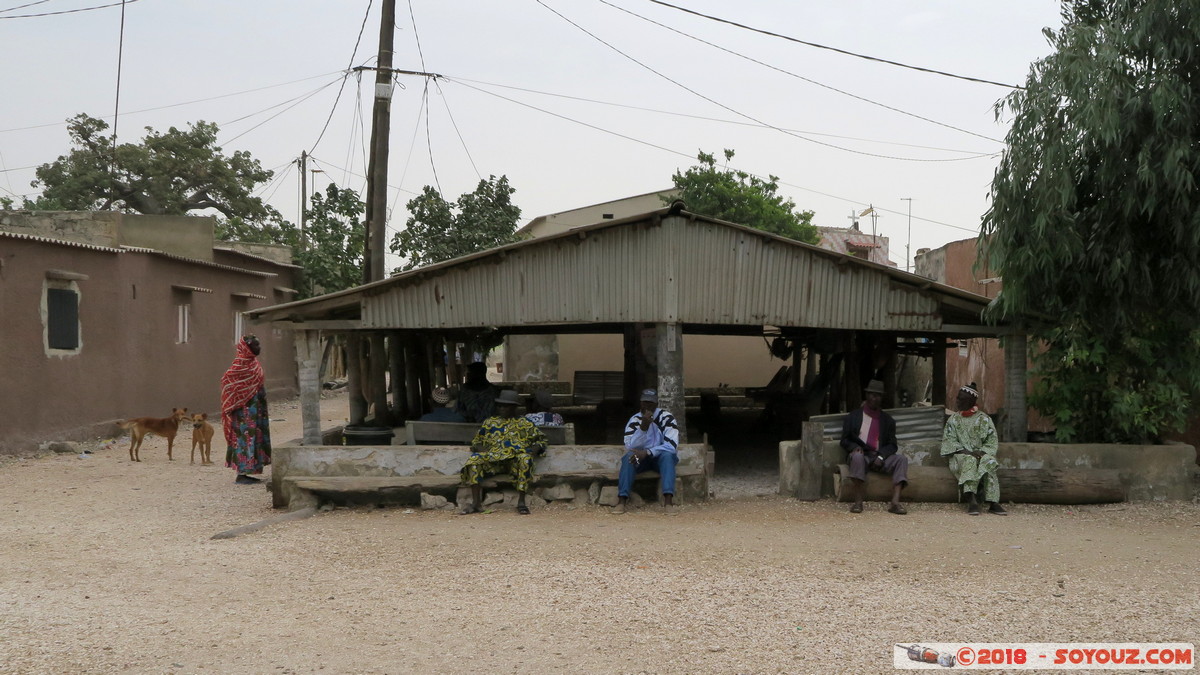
(468, 509)
(898, 509)
(522, 510)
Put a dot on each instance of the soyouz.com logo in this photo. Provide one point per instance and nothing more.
(1045, 656)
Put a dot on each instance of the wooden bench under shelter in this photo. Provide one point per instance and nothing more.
(592, 387)
(461, 433)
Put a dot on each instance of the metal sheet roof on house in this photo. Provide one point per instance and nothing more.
(663, 266)
(194, 261)
(60, 242)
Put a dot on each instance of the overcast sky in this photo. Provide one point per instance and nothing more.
(528, 93)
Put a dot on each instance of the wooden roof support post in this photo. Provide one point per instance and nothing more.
(354, 379)
(938, 395)
(378, 365)
(308, 361)
(395, 344)
(670, 374)
(412, 382)
(1016, 427)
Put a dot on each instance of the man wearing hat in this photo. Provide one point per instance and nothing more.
(651, 444)
(506, 443)
(445, 406)
(969, 442)
(869, 436)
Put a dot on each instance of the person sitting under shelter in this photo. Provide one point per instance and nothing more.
(477, 396)
(505, 443)
(869, 436)
(540, 410)
(445, 407)
(651, 444)
(970, 443)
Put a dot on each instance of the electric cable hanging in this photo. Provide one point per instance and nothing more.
(428, 141)
(689, 156)
(68, 11)
(835, 49)
(705, 118)
(412, 143)
(462, 140)
(112, 169)
(737, 112)
(349, 69)
(28, 4)
(278, 114)
(800, 77)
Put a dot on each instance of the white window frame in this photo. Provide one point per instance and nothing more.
(65, 285)
(183, 323)
(239, 326)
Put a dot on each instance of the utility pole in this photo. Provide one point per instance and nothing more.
(373, 265)
(303, 198)
(908, 246)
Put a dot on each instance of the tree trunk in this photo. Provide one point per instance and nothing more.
(1029, 486)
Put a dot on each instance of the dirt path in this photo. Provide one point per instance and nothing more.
(108, 566)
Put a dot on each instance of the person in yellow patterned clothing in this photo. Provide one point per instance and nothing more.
(506, 443)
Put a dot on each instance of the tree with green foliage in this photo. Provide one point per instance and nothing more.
(173, 173)
(438, 230)
(331, 252)
(1095, 219)
(741, 198)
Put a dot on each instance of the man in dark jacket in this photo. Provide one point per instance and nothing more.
(869, 436)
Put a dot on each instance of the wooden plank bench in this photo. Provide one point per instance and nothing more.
(591, 387)
(461, 433)
(913, 425)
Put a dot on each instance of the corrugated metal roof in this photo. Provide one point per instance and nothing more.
(60, 242)
(194, 261)
(226, 249)
(654, 267)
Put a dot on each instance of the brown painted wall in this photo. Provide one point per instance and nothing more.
(129, 364)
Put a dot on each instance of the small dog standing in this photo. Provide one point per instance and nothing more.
(202, 435)
(166, 427)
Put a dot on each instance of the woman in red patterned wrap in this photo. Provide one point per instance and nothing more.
(244, 413)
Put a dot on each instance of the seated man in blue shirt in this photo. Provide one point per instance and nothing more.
(651, 444)
(444, 407)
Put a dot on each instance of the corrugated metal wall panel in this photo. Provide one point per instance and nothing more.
(691, 272)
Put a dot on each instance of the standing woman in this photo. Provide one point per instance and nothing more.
(244, 413)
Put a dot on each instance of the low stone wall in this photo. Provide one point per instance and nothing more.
(585, 461)
(1148, 472)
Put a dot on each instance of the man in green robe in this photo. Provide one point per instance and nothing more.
(969, 442)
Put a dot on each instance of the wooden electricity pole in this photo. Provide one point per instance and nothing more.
(381, 121)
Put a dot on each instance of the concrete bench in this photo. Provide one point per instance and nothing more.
(399, 473)
(1028, 486)
(461, 433)
(810, 467)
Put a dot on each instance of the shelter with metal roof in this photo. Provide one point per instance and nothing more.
(677, 271)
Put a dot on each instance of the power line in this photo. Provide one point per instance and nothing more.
(706, 118)
(835, 49)
(302, 100)
(412, 143)
(800, 77)
(737, 112)
(276, 105)
(176, 105)
(67, 11)
(28, 4)
(428, 140)
(353, 55)
(462, 140)
(688, 155)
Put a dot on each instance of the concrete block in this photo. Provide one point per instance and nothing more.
(608, 496)
(432, 502)
(492, 497)
(562, 491)
(594, 492)
(582, 497)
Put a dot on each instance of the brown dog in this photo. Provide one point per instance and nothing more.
(202, 435)
(166, 427)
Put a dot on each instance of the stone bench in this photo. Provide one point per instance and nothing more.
(399, 473)
(1027, 486)
(808, 467)
(462, 433)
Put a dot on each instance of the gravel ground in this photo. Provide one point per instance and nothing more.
(108, 567)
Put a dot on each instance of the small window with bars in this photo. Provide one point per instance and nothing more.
(62, 317)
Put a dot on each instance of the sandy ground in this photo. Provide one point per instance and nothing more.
(108, 566)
